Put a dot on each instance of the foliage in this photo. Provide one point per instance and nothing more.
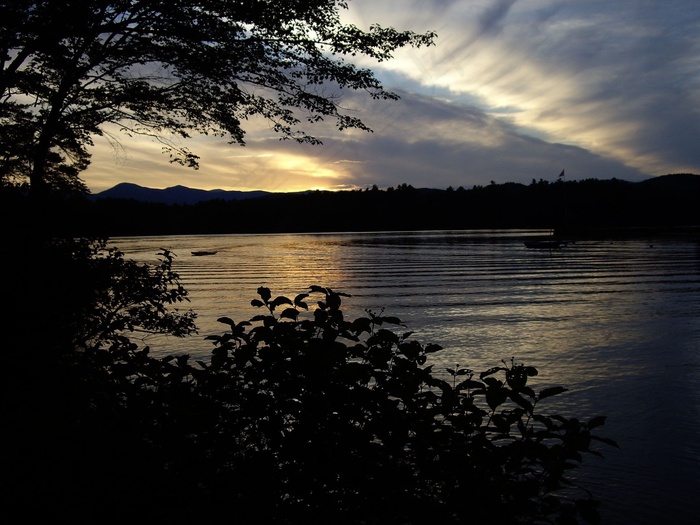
(91, 296)
(130, 296)
(166, 69)
(306, 418)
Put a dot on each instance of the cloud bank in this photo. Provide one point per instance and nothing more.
(512, 90)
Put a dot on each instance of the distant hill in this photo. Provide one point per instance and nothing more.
(674, 181)
(173, 195)
(576, 208)
(184, 195)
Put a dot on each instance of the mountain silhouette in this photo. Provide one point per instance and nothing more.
(174, 194)
(678, 182)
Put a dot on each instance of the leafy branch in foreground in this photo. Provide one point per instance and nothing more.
(382, 427)
(304, 416)
(89, 295)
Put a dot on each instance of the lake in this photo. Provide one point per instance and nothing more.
(618, 323)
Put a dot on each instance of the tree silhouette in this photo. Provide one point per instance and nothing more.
(168, 69)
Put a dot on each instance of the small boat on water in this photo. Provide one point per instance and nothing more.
(202, 252)
(545, 244)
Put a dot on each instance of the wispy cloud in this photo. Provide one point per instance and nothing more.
(512, 90)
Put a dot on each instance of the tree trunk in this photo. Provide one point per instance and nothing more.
(38, 184)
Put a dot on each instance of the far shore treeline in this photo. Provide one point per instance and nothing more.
(589, 207)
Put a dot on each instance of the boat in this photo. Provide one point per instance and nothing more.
(203, 252)
(545, 244)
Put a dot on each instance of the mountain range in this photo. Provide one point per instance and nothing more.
(188, 196)
(174, 194)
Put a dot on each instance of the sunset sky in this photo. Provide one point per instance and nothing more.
(512, 90)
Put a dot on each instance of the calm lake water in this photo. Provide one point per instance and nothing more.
(618, 323)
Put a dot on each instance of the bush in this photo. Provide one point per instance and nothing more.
(73, 448)
(310, 418)
(69, 294)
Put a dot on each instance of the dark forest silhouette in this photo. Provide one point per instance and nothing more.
(588, 207)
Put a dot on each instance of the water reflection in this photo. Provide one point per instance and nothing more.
(467, 290)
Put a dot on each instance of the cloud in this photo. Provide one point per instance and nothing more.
(419, 140)
(491, 20)
(620, 79)
(512, 90)
(430, 143)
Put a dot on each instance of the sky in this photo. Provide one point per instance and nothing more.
(512, 90)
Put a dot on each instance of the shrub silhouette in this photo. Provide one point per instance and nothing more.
(351, 424)
(298, 416)
(305, 417)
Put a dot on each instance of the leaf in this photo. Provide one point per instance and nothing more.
(527, 390)
(493, 382)
(439, 383)
(469, 383)
(299, 301)
(226, 320)
(520, 400)
(546, 421)
(320, 316)
(264, 293)
(607, 441)
(490, 371)
(281, 300)
(549, 392)
(333, 301)
(410, 349)
(257, 302)
(560, 418)
(361, 324)
(501, 423)
(261, 333)
(379, 356)
(387, 336)
(598, 421)
(496, 397)
(290, 313)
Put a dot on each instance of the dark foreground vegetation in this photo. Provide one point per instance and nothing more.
(298, 416)
(586, 207)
